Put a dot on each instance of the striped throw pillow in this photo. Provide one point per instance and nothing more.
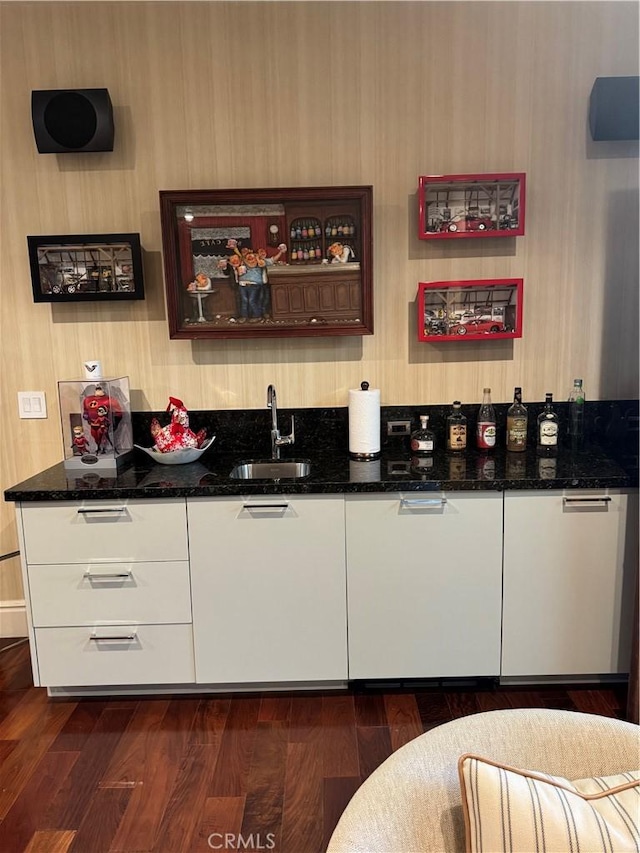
(507, 809)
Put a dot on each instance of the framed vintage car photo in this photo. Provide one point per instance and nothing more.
(268, 263)
(86, 267)
(476, 310)
(455, 207)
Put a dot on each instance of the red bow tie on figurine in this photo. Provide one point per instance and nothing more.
(177, 435)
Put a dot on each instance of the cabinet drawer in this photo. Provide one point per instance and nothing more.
(88, 593)
(99, 531)
(122, 654)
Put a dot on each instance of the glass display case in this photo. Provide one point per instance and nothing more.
(462, 206)
(474, 310)
(96, 423)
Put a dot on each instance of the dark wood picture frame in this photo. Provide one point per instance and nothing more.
(470, 310)
(86, 267)
(227, 275)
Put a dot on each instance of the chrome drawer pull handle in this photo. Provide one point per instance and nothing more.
(87, 510)
(119, 637)
(422, 502)
(604, 499)
(106, 575)
(265, 506)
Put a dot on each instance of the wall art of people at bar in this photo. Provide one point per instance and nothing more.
(268, 263)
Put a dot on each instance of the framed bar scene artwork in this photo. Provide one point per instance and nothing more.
(475, 310)
(266, 263)
(454, 207)
(86, 267)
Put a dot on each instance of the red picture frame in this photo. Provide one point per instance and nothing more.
(455, 207)
(470, 310)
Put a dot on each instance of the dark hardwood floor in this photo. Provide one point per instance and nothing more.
(168, 773)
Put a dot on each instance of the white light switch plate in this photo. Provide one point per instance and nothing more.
(32, 404)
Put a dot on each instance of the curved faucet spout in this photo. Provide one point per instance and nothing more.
(272, 404)
(277, 441)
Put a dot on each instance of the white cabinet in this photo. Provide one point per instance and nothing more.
(257, 590)
(269, 588)
(569, 567)
(108, 592)
(424, 584)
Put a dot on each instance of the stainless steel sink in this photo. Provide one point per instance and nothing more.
(271, 469)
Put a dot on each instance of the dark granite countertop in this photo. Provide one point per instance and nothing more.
(332, 472)
(609, 458)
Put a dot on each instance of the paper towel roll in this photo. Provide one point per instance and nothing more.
(364, 422)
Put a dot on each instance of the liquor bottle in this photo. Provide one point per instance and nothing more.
(456, 429)
(423, 439)
(486, 423)
(547, 444)
(517, 419)
(576, 410)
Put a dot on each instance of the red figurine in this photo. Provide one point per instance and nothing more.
(177, 435)
(79, 443)
(101, 411)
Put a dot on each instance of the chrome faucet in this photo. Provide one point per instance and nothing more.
(277, 440)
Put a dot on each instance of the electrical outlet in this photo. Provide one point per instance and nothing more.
(32, 404)
(398, 427)
(399, 468)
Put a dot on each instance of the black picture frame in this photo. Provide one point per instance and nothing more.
(210, 238)
(86, 267)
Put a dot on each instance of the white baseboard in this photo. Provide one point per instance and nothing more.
(13, 619)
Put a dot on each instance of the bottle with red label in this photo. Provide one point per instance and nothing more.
(486, 423)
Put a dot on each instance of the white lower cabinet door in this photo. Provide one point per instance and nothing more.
(569, 570)
(268, 588)
(115, 655)
(424, 584)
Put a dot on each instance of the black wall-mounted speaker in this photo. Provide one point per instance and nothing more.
(72, 120)
(613, 108)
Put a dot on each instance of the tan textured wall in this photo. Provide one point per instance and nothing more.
(222, 95)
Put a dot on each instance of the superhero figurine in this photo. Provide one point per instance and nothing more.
(79, 443)
(101, 411)
(101, 426)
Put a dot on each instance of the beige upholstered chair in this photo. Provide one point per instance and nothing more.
(412, 802)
